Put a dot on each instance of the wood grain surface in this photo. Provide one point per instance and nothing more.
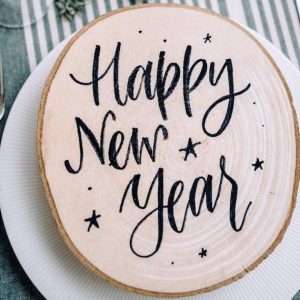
(213, 189)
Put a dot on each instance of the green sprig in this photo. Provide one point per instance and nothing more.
(68, 8)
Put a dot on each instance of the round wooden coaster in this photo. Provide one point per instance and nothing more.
(168, 147)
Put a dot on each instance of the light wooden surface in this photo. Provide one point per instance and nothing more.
(215, 247)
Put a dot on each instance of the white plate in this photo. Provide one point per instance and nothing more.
(40, 249)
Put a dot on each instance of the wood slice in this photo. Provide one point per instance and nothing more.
(168, 147)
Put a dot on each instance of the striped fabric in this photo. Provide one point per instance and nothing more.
(29, 29)
(276, 20)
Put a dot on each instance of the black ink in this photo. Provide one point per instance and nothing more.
(89, 188)
(172, 200)
(233, 198)
(175, 194)
(96, 77)
(187, 73)
(92, 220)
(258, 164)
(98, 147)
(167, 79)
(137, 150)
(190, 149)
(148, 89)
(162, 94)
(230, 97)
(131, 82)
(203, 253)
(115, 145)
(160, 196)
(207, 38)
(140, 31)
(146, 77)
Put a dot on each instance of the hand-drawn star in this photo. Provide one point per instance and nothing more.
(190, 148)
(93, 220)
(207, 38)
(203, 252)
(258, 164)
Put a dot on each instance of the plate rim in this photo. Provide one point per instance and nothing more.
(27, 264)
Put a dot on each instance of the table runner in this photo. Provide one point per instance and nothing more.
(29, 29)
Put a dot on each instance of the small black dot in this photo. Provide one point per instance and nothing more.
(165, 40)
(263, 125)
(172, 262)
(89, 188)
(254, 102)
(140, 31)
